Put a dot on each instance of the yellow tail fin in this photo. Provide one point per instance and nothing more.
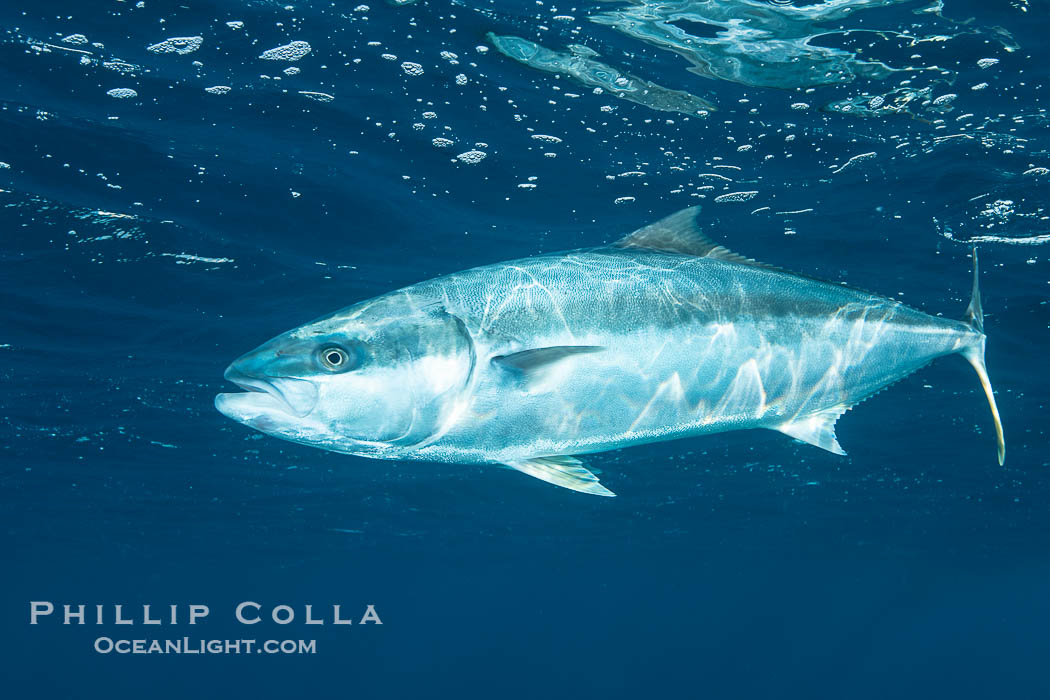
(975, 355)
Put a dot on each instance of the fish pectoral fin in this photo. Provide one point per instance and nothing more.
(817, 429)
(561, 470)
(535, 359)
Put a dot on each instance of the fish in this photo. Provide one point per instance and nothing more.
(530, 363)
(579, 64)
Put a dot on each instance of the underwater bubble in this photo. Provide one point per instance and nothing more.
(217, 89)
(75, 39)
(736, 196)
(472, 157)
(189, 258)
(623, 200)
(901, 100)
(236, 24)
(292, 70)
(461, 79)
(289, 52)
(177, 44)
(441, 143)
(122, 93)
(413, 69)
(317, 96)
(854, 159)
(546, 138)
(119, 66)
(987, 62)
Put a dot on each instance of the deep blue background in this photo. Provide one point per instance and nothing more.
(735, 565)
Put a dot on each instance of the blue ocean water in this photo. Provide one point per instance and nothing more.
(167, 205)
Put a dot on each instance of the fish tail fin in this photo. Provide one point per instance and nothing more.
(974, 353)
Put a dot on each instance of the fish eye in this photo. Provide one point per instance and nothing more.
(335, 358)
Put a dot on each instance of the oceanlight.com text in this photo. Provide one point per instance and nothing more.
(186, 645)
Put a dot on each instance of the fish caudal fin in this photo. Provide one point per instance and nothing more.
(974, 353)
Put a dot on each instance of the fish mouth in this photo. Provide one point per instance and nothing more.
(296, 397)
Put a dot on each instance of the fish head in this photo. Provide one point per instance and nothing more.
(382, 374)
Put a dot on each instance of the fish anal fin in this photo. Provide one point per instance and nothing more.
(535, 359)
(817, 429)
(679, 233)
(561, 470)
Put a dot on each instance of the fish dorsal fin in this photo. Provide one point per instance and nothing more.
(817, 429)
(529, 361)
(679, 233)
(561, 470)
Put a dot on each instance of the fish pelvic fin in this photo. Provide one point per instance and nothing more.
(817, 429)
(561, 470)
(974, 354)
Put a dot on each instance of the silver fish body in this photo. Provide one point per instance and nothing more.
(528, 362)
